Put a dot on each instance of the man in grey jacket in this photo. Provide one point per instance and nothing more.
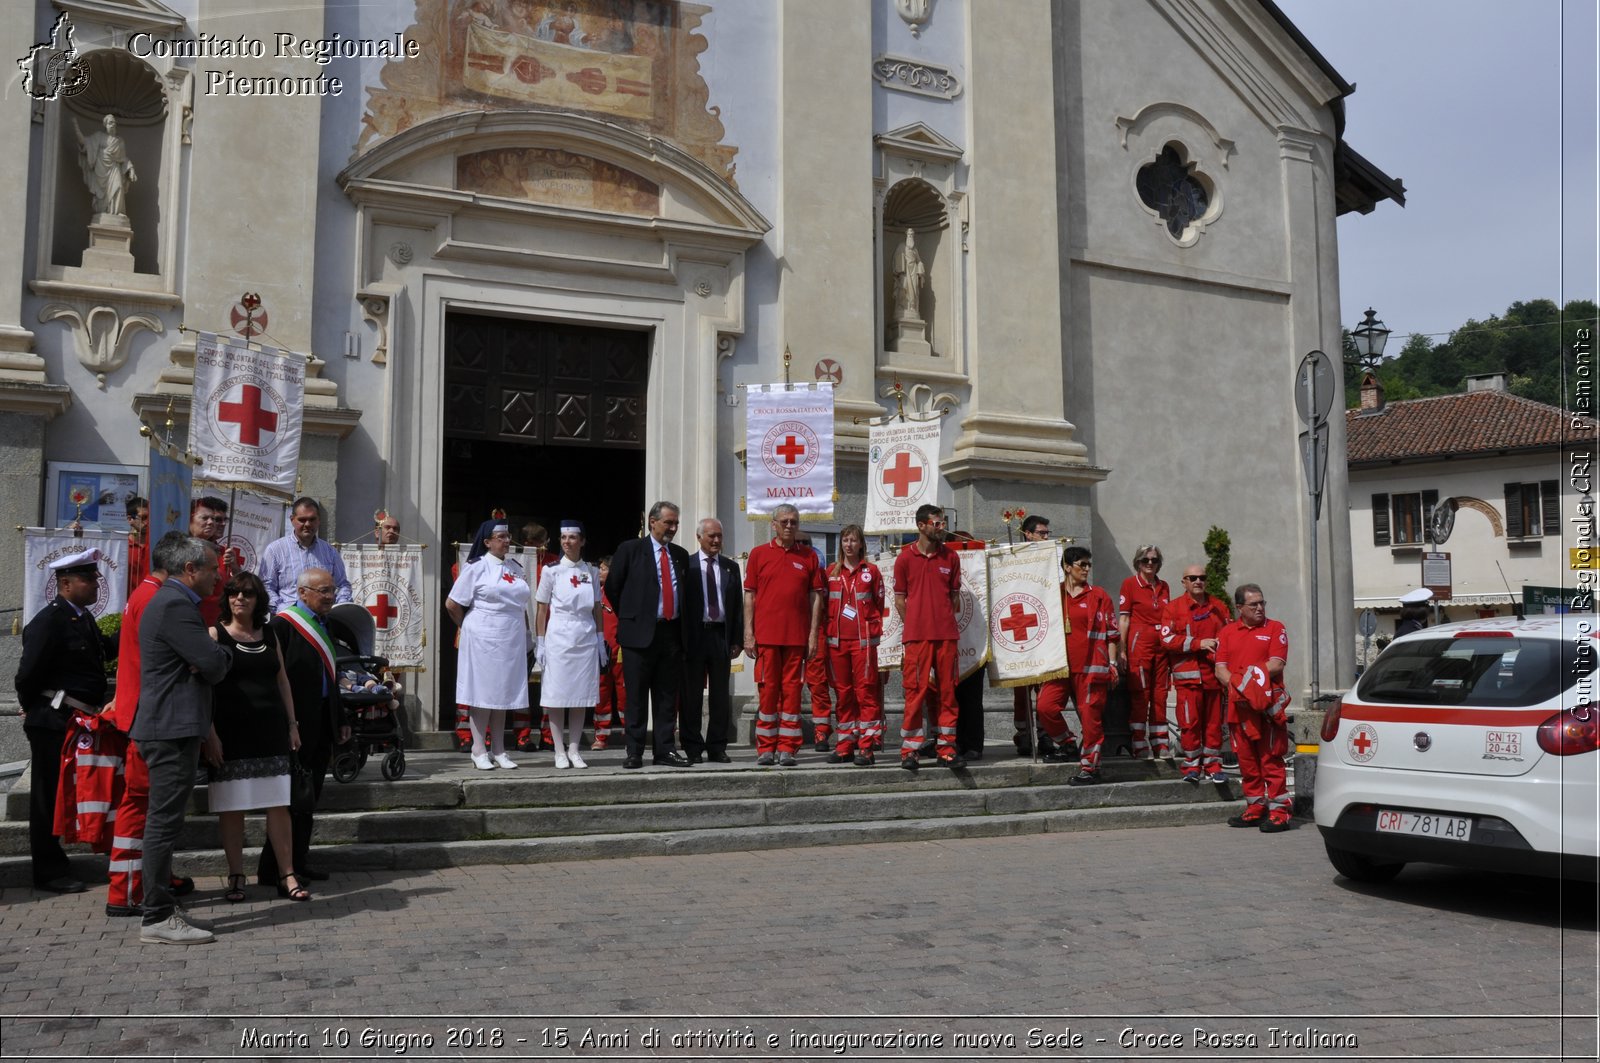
(179, 663)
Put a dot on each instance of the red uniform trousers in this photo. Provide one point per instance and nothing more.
(821, 700)
(1052, 706)
(127, 843)
(1200, 728)
(938, 657)
(1261, 745)
(853, 671)
(779, 670)
(1149, 678)
(613, 697)
(1089, 697)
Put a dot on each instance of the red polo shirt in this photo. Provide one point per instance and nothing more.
(1238, 646)
(783, 581)
(928, 581)
(1143, 602)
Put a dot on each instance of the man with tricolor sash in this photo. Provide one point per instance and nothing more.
(307, 638)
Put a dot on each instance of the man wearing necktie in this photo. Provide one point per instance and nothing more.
(652, 589)
(716, 637)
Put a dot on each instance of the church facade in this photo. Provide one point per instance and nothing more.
(536, 251)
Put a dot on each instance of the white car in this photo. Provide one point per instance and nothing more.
(1474, 744)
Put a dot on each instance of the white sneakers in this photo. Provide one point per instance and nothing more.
(562, 760)
(482, 762)
(174, 931)
(504, 761)
(572, 755)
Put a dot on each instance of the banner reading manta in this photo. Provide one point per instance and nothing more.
(789, 449)
(387, 582)
(245, 422)
(902, 468)
(1027, 628)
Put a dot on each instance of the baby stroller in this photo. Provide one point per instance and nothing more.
(372, 702)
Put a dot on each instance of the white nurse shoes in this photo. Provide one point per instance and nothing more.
(482, 762)
(561, 758)
(572, 755)
(504, 761)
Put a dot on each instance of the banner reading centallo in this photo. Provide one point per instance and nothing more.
(517, 67)
(1028, 625)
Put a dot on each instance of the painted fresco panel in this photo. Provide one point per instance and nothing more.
(558, 178)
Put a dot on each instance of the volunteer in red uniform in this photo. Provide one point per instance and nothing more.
(927, 597)
(782, 626)
(208, 520)
(138, 511)
(127, 842)
(613, 694)
(1260, 738)
(1190, 625)
(854, 626)
(1035, 529)
(1092, 665)
(1144, 595)
(817, 676)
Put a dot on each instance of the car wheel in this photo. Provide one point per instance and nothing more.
(1359, 867)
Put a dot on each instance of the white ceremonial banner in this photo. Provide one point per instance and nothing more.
(789, 449)
(902, 474)
(253, 522)
(387, 582)
(890, 649)
(40, 546)
(1028, 627)
(972, 648)
(245, 422)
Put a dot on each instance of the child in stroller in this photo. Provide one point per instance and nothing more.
(371, 698)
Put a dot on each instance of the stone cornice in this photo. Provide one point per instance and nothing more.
(45, 400)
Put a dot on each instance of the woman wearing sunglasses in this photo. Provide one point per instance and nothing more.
(1144, 597)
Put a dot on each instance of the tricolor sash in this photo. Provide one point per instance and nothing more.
(305, 622)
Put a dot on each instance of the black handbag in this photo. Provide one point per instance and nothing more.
(302, 796)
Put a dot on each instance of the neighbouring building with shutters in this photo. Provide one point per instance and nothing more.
(535, 250)
(1506, 464)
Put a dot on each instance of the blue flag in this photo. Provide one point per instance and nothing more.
(170, 481)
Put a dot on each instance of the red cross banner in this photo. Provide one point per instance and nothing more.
(254, 520)
(245, 422)
(40, 546)
(891, 651)
(902, 474)
(789, 449)
(972, 622)
(387, 582)
(1027, 625)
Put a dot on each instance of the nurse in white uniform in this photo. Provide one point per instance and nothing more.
(570, 650)
(489, 603)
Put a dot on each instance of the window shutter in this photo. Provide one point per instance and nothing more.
(1380, 520)
(1550, 506)
(1514, 511)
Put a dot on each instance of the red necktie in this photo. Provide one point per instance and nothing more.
(669, 607)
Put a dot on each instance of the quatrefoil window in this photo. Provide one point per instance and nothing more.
(1171, 188)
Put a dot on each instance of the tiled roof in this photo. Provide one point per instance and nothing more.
(1479, 422)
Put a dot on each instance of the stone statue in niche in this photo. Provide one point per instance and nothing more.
(910, 332)
(106, 167)
(909, 277)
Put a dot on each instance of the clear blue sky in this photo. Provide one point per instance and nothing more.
(1486, 109)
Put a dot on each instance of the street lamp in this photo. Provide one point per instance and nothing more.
(1370, 336)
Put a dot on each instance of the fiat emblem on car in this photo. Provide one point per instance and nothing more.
(1422, 741)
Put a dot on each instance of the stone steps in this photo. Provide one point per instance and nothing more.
(443, 813)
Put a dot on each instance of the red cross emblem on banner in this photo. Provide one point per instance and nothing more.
(1019, 622)
(790, 450)
(382, 611)
(250, 415)
(902, 474)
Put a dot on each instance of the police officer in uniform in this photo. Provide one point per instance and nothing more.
(63, 668)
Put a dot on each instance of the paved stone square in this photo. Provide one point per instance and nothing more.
(1184, 941)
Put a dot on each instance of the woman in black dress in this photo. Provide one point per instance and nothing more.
(254, 724)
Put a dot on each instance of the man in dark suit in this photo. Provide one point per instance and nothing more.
(716, 637)
(179, 662)
(62, 668)
(652, 589)
(307, 636)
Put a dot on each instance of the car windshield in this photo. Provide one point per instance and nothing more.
(1473, 671)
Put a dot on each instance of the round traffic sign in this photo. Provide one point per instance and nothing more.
(1314, 385)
